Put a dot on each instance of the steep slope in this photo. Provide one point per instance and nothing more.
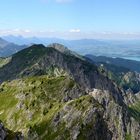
(120, 62)
(63, 49)
(4, 61)
(49, 94)
(21, 61)
(6, 134)
(38, 60)
(35, 100)
(123, 77)
(57, 108)
(117, 72)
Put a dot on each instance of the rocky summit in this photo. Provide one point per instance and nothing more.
(52, 93)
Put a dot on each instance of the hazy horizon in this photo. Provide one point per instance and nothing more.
(71, 19)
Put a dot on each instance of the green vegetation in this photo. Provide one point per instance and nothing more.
(32, 101)
(4, 61)
(79, 109)
(46, 103)
(84, 102)
(32, 105)
(121, 76)
(135, 111)
(128, 137)
(29, 56)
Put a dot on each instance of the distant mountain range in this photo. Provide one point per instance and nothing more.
(8, 48)
(124, 72)
(129, 49)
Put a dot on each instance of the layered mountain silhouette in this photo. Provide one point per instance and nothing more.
(128, 49)
(38, 60)
(8, 48)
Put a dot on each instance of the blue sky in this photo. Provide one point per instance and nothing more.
(71, 18)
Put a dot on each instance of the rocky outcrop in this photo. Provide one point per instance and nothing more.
(83, 118)
(6, 134)
(3, 132)
(38, 60)
(60, 48)
(118, 118)
(65, 97)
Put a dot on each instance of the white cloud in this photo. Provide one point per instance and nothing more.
(63, 1)
(71, 34)
(27, 31)
(57, 1)
(74, 30)
(16, 30)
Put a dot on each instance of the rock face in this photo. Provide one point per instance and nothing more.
(3, 132)
(60, 48)
(83, 121)
(54, 95)
(39, 60)
(6, 134)
(117, 70)
(118, 117)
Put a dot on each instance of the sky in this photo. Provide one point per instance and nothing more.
(71, 19)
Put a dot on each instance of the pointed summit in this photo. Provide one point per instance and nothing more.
(61, 48)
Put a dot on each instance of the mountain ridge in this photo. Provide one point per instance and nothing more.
(124, 72)
(128, 49)
(47, 93)
(45, 58)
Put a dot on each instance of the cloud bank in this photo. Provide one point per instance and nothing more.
(74, 30)
(58, 1)
(63, 1)
(71, 34)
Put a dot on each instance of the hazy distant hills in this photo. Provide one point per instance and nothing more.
(3, 43)
(129, 64)
(122, 71)
(129, 49)
(8, 48)
(20, 40)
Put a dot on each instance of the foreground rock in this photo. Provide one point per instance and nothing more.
(6, 134)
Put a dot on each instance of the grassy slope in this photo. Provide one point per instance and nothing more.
(4, 61)
(135, 111)
(24, 103)
(32, 103)
(33, 93)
